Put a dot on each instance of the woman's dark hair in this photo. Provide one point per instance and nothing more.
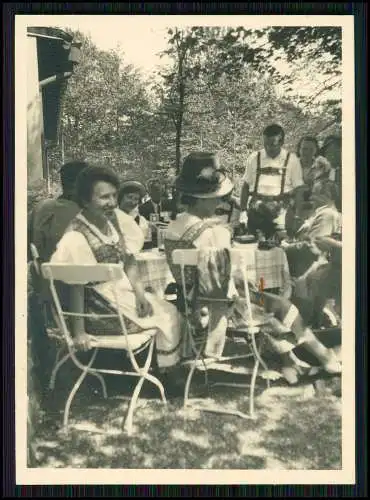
(308, 138)
(273, 130)
(69, 173)
(89, 177)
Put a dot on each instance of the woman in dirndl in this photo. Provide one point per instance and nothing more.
(101, 233)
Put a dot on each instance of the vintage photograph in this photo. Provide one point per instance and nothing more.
(190, 191)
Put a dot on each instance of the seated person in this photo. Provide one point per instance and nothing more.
(49, 218)
(157, 205)
(95, 235)
(317, 294)
(46, 225)
(326, 220)
(203, 184)
(129, 199)
(196, 227)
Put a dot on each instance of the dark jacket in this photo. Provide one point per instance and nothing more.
(148, 208)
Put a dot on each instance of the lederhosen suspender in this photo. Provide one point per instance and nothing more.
(284, 174)
(259, 171)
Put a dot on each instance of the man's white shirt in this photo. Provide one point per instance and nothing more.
(270, 185)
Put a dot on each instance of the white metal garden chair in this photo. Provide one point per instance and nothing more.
(189, 257)
(78, 276)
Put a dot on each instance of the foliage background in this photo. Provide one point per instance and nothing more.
(221, 88)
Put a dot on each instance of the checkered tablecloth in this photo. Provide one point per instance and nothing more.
(268, 265)
(154, 271)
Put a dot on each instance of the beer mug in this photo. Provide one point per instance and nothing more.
(161, 236)
(165, 216)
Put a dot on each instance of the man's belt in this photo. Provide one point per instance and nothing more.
(278, 198)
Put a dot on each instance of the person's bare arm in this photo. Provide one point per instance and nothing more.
(326, 243)
(142, 305)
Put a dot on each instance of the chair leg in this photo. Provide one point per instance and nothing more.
(129, 419)
(259, 350)
(258, 361)
(188, 382)
(206, 380)
(56, 368)
(257, 355)
(59, 351)
(102, 382)
(198, 355)
(85, 371)
(144, 375)
(252, 388)
(157, 383)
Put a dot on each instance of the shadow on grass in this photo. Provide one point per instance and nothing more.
(308, 435)
(290, 432)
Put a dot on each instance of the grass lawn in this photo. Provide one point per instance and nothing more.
(296, 428)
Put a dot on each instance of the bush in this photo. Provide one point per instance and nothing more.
(39, 191)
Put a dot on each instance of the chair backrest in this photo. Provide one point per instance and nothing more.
(77, 276)
(189, 257)
(80, 274)
(107, 316)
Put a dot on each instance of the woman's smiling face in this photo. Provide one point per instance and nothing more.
(103, 199)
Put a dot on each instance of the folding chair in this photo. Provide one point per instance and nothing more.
(78, 276)
(189, 257)
(50, 316)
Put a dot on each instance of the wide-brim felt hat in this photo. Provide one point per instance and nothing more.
(136, 185)
(202, 177)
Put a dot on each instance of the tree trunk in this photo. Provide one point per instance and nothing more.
(178, 143)
(180, 113)
(179, 121)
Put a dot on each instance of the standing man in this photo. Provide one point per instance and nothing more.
(271, 177)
